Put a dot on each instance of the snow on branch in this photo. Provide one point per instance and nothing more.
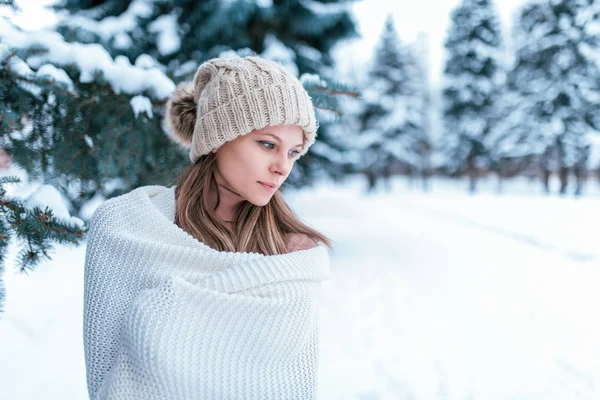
(109, 27)
(89, 59)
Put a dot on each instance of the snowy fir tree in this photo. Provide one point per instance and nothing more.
(83, 104)
(554, 84)
(420, 49)
(472, 82)
(79, 120)
(37, 223)
(510, 159)
(178, 35)
(40, 221)
(392, 138)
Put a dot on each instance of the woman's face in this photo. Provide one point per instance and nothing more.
(250, 163)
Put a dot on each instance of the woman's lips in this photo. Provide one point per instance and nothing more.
(268, 187)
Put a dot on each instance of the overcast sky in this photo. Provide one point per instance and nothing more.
(411, 17)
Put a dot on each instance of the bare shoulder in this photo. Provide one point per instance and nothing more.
(299, 241)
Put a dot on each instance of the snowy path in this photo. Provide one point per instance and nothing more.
(443, 303)
(437, 296)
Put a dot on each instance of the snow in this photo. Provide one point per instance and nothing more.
(141, 104)
(19, 68)
(323, 8)
(122, 41)
(48, 196)
(229, 53)
(312, 79)
(309, 53)
(396, 118)
(275, 50)
(432, 296)
(88, 209)
(264, 3)
(32, 14)
(111, 26)
(593, 139)
(324, 150)
(144, 61)
(168, 40)
(56, 74)
(89, 59)
(88, 141)
(186, 68)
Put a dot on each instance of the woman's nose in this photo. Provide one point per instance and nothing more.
(282, 165)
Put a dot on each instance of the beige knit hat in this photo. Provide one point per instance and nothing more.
(230, 97)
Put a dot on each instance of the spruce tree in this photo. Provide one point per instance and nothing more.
(83, 104)
(37, 224)
(472, 76)
(34, 226)
(90, 121)
(80, 120)
(555, 82)
(181, 34)
(392, 116)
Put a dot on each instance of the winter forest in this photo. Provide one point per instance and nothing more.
(463, 207)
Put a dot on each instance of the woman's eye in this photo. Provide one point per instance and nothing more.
(271, 145)
(266, 144)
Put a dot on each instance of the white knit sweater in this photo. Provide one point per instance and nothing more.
(167, 317)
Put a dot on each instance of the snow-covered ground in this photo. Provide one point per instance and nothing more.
(433, 296)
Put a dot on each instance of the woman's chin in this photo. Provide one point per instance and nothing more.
(260, 201)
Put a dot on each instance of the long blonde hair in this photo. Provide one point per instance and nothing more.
(255, 229)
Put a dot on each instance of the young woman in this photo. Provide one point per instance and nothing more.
(209, 289)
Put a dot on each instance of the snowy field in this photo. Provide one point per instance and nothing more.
(433, 296)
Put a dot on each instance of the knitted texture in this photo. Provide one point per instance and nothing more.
(230, 97)
(167, 317)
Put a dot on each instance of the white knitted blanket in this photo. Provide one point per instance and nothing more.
(167, 317)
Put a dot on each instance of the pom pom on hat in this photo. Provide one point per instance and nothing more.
(180, 115)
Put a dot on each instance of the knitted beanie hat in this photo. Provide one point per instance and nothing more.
(230, 97)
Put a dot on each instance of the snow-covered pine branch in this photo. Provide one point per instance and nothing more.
(90, 60)
(36, 223)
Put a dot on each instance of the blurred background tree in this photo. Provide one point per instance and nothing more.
(472, 87)
(392, 137)
(554, 86)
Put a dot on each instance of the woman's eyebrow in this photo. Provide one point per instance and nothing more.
(279, 139)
